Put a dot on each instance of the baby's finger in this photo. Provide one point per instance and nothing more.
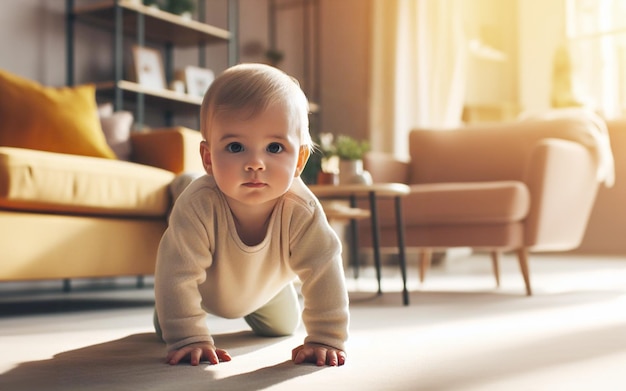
(175, 356)
(331, 358)
(301, 356)
(194, 356)
(341, 358)
(295, 352)
(320, 355)
(223, 355)
(211, 356)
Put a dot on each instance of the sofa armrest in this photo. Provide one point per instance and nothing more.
(561, 177)
(385, 168)
(174, 149)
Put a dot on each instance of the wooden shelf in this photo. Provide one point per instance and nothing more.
(164, 99)
(172, 100)
(160, 26)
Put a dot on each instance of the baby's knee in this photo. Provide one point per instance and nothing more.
(282, 327)
(279, 317)
(285, 327)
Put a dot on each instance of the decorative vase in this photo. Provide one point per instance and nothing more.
(186, 15)
(351, 172)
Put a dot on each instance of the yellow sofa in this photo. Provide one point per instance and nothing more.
(81, 196)
(65, 216)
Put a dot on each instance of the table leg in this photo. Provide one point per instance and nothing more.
(375, 238)
(401, 249)
(354, 242)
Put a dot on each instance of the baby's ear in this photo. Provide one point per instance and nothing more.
(205, 154)
(303, 157)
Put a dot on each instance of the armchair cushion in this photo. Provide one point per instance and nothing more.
(460, 203)
(33, 180)
(467, 203)
(50, 119)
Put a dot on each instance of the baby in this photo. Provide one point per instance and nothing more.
(239, 236)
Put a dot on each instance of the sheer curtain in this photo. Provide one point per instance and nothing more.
(596, 33)
(418, 75)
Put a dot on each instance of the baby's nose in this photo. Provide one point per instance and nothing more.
(254, 164)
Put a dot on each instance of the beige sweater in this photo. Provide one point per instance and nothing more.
(203, 266)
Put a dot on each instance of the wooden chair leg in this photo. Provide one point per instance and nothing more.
(425, 258)
(522, 256)
(495, 260)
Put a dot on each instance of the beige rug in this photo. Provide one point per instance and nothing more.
(459, 333)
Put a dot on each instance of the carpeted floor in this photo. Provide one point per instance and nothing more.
(459, 333)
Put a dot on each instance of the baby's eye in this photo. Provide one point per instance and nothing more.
(234, 147)
(274, 148)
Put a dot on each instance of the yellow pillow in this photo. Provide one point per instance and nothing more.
(51, 119)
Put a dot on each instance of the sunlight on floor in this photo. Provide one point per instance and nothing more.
(459, 332)
(474, 273)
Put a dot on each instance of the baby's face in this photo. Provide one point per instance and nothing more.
(253, 160)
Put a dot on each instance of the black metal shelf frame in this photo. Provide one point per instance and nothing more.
(118, 32)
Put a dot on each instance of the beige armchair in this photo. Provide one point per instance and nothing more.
(523, 186)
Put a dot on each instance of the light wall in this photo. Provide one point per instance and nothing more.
(32, 44)
(541, 31)
(343, 36)
(345, 67)
(492, 68)
(32, 39)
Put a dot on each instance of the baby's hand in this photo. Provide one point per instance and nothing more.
(196, 352)
(318, 354)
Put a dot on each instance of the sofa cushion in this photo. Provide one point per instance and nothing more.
(116, 128)
(53, 182)
(50, 119)
(175, 149)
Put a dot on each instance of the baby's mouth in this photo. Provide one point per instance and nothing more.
(254, 184)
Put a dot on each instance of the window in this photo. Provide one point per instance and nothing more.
(596, 32)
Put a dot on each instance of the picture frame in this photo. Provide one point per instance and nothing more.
(198, 80)
(148, 67)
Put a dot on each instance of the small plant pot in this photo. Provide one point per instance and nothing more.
(351, 172)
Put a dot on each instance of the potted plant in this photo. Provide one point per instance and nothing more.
(152, 3)
(350, 153)
(348, 148)
(183, 8)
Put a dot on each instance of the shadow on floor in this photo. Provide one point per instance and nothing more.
(137, 362)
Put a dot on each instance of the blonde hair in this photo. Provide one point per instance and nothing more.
(248, 89)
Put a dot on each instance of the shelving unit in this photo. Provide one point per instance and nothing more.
(128, 19)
